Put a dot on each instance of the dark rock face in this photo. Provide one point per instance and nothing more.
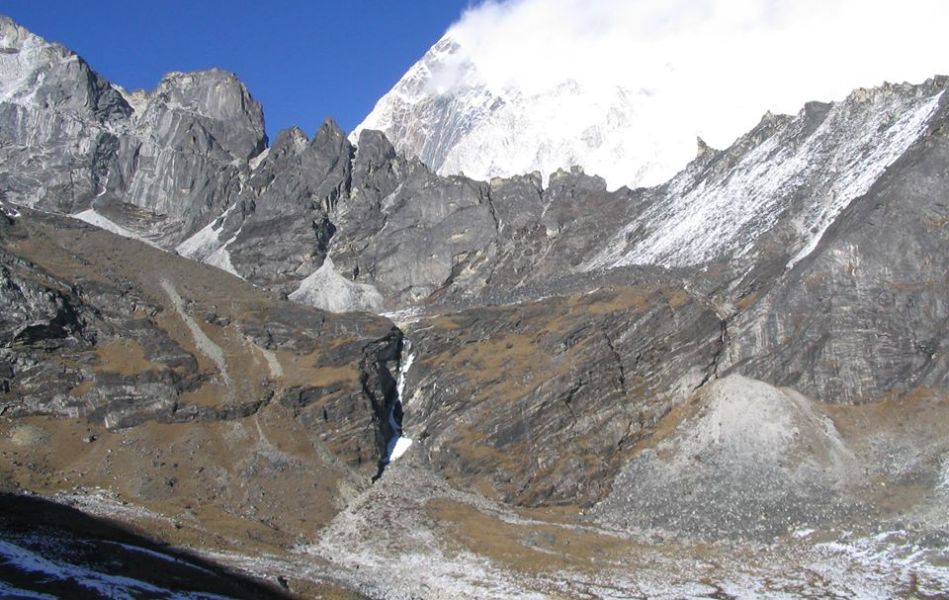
(88, 333)
(130, 376)
(285, 236)
(52, 99)
(59, 322)
(72, 141)
(542, 402)
(198, 130)
(865, 314)
(398, 208)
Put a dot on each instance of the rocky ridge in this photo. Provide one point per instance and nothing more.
(160, 164)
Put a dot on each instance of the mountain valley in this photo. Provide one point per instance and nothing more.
(323, 368)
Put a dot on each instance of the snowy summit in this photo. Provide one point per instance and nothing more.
(623, 89)
(445, 112)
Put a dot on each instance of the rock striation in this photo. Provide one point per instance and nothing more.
(161, 164)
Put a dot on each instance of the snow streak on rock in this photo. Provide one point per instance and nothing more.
(98, 584)
(703, 218)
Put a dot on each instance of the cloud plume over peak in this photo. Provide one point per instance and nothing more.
(624, 87)
(718, 64)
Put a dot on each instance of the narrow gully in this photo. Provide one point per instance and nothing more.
(398, 444)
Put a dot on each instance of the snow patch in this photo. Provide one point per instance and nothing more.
(897, 551)
(9, 211)
(327, 289)
(397, 447)
(259, 159)
(91, 217)
(944, 484)
(202, 243)
(206, 245)
(13, 593)
(221, 258)
(108, 586)
(405, 316)
(803, 533)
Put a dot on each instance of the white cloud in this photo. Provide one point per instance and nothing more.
(713, 66)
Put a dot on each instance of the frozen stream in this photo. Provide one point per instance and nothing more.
(398, 444)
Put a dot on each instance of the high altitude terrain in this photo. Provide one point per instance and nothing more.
(731, 383)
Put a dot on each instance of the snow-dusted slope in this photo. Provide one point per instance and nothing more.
(444, 112)
(814, 165)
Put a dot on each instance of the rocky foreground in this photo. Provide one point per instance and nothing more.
(730, 385)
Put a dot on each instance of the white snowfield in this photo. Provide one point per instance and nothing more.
(445, 112)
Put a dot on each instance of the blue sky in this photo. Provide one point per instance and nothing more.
(303, 60)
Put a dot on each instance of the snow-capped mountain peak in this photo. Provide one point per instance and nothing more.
(445, 112)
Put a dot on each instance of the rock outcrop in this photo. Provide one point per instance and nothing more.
(160, 164)
(89, 331)
(542, 402)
